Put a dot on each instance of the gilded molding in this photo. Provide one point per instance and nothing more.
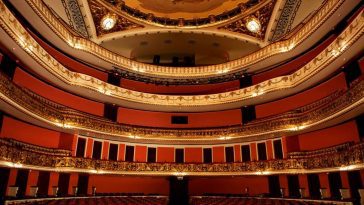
(282, 124)
(19, 34)
(347, 159)
(185, 72)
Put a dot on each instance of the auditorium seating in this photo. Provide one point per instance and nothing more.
(220, 200)
(119, 200)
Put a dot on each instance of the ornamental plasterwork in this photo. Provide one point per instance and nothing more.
(98, 12)
(263, 15)
(286, 18)
(75, 17)
(21, 36)
(185, 72)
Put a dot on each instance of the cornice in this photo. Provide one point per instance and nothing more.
(186, 72)
(19, 34)
(283, 124)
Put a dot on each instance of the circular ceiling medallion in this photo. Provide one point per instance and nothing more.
(253, 24)
(108, 21)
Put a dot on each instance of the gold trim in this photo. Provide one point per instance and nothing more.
(19, 34)
(185, 72)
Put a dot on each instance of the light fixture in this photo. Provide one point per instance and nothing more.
(108, 21)
(253, 24)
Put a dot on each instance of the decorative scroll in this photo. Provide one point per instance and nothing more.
(350, 157)
(277, 125)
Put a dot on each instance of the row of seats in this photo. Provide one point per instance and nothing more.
(250, 201)
(121, 200)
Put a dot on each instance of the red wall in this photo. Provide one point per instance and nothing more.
(193, 154)
(328, 137)
(140, 153)
(195, 120)
(31, 134)
(361, 64)
(228, 185)
(165, 154)
(237, 153)
(293, 65)
(121, 152)
(26, 80)
(120, 184)
(218, 154)
(309, 96)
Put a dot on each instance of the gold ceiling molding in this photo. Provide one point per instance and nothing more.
(263, 15)
(286, 123)
(20, 156)
(98, 12)
(20, 35)
(242, 10)
(184, 72)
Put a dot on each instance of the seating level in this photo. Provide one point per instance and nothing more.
(163, 201)
(122, 200)
(254, 201)
(283, 69)
(195, 120)
(253, 185)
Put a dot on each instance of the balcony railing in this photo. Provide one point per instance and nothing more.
(350, 157)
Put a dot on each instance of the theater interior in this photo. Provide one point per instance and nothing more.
(177, 102)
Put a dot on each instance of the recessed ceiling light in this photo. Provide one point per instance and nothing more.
(253, 24)
(108, 21)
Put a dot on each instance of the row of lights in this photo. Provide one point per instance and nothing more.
(109, 21)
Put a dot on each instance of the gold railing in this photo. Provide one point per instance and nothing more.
(285, 123)
(19, 34)
(22, 146)
(185, 72)
(350, 158)
(319, 152)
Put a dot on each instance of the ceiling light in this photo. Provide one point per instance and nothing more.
(253, 24)
(108, 21)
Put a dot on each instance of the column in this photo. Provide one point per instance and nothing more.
(32, 181)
